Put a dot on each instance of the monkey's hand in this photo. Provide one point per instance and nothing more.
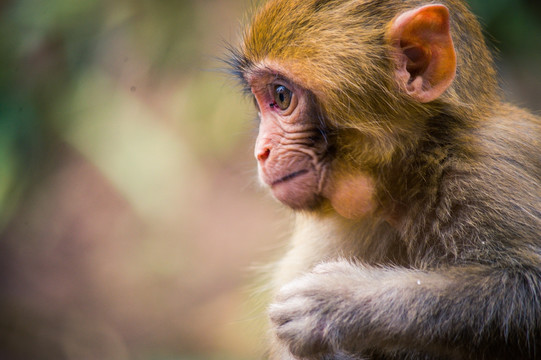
(348, 308)
(310, 314)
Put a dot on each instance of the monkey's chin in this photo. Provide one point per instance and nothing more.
(299, 192)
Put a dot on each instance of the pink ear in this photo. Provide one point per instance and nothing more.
(425, 56)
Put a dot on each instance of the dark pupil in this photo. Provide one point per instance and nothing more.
(282, 96)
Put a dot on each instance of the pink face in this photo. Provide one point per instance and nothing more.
(291, 148)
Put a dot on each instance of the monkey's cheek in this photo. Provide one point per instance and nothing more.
(352, 197)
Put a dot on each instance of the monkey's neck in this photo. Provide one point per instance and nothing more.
(413, 185)
(326, 236)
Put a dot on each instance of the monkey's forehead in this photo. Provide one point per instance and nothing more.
(323, 38)
(309, 28)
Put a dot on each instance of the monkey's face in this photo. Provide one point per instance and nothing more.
(291, 148)
(364, 79)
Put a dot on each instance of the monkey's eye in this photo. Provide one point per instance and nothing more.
(282, 96)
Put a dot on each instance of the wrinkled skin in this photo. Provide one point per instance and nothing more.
(293, 153)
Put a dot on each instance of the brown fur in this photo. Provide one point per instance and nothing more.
(448, 265)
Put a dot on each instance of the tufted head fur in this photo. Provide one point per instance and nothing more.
(340, 51)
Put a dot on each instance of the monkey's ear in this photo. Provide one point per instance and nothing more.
(424, 52)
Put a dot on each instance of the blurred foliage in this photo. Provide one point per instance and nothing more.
(66, 64)
(514, 26)
(127, 211)
(513, 30)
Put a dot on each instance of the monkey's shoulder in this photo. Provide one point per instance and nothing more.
(509, 144)
(500, 179)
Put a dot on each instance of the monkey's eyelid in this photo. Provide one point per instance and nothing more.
(277, 76)
(279, 80)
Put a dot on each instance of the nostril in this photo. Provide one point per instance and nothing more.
(263, 154)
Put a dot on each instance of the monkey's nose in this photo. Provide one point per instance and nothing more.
(263, 154)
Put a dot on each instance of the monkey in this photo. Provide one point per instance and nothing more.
(415, 185)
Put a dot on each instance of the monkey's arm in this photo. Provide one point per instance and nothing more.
(358, 309)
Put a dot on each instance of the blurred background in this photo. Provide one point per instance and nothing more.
(130, 217)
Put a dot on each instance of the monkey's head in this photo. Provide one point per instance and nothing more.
(342, 87)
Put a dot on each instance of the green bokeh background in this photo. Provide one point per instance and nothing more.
(130, 215)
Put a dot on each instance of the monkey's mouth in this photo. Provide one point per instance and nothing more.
(289, 177)
(297, 189)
